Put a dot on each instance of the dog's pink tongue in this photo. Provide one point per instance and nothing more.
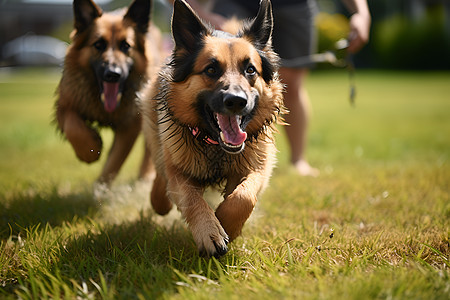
(110, 95)
(232, 133)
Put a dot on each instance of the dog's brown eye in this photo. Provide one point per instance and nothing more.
(250, 70)
(211, 71)
(124, 47)
(100, 45)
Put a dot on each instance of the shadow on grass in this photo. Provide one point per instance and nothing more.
(27, 209)
(140, 256)
(134, 258)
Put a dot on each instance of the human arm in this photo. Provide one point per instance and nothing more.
(359, 24)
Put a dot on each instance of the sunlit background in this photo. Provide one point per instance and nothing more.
(405, 34)
(374, 225)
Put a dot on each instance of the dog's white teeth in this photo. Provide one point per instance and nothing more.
(222, 137)
(102, 97)
(119, 96)
(239, 120)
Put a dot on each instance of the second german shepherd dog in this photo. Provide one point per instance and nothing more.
(209, 121)
(110, 58)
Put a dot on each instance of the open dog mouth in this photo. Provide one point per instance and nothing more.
(110, 95)
(111, 79)
(231, 136)
(227, 130)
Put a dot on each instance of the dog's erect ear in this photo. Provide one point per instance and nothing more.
(85, 12)
(260, 30)
(139, 13)
(187, 28)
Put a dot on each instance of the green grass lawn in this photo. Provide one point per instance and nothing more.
(374, 225)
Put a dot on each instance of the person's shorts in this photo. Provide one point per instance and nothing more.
(294, 33)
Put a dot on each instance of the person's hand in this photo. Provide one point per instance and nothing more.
(359, 31)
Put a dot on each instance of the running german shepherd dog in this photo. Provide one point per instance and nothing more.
(209, 121)
(110, 58)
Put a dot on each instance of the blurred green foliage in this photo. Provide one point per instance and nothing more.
(331, 28)
(397, 41)
(400, 42)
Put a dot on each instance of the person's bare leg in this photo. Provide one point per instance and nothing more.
(297, 101)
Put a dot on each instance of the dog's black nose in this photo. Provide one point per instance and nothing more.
(112, 74)
(234, 103)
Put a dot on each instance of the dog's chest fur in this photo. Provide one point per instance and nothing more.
(204, 162)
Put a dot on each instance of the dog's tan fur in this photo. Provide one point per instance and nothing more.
(79, 109)
(187, 163)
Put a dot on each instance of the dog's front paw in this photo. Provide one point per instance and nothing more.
(211, 239)
(85, 140)
(90, 150)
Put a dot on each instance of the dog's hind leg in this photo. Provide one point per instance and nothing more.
(86, 141)
(124, 139)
